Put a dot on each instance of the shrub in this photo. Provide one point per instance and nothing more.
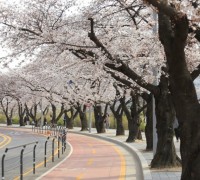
(2, 119)
(15, 120)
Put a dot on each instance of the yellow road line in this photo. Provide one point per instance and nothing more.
(93, 151)
(37, 165)
(123, 164)
(79, 177)
(123, 161)
(6, 140)
(90, 161)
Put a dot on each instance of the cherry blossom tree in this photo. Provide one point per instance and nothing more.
(123, 42)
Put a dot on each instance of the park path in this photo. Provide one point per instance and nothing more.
(91, 159)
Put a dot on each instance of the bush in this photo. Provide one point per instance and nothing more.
(143, 123)
(60, 122)
(2, 119)
(77, 122)
(15, 120)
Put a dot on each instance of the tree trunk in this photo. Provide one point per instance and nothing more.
(133, 117)
(83, 118)
(130, 119)
(21, 121)
(70, 123)
(70, 120)
(120, 128)
(9, 121)
(149, 123)
(139, 135)
(118, 117)
(134, 123)
(173, 33)
(53, 117)
(165, 114)
(99, 123)
(84, 125)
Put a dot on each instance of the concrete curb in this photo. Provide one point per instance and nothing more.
(145, 172)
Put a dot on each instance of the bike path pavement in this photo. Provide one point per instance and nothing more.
(93, 158)
(138, 149)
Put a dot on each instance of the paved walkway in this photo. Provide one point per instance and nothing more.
(144, 156)
(95, 159)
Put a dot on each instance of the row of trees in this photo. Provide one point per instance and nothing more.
(107, 52)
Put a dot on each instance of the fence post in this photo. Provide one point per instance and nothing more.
(63, 141)
(54, 131)
(58, 146)
(34, 157)
(21, 163)
(53, 149)
(45, 152)
(2, 164)
(62, 144)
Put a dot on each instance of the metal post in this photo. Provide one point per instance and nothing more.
(2, 164)
(90, 119)
(21, 163)
(155, 73)
(34, 157)
(45, 153)
(62, 144)
(64, 140)
(54, 130)
(155, 137)
(46, 127)
(42, 117)
(53, 149)
(58, 146)
(33, 126)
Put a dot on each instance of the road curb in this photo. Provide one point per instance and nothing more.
(145, 172)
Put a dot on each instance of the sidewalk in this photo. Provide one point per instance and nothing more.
(144, 156)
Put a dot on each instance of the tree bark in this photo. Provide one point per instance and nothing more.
(118, 116)
(99, 119)
(132, 117)
(149, 122)
(165, 113)
(70, 119)
(83, 118)
(8, 114)
(173, 35)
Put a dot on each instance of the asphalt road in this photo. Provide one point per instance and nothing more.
(15, 139)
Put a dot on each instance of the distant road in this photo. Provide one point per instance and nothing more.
(4, 140)
(12, 137)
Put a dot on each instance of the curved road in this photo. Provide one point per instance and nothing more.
(94, 159)
(15, 137)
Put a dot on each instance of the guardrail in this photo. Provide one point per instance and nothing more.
(51, 130)
(57, 134)
(21, 158)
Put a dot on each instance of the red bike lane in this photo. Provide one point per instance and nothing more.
(91, 159)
